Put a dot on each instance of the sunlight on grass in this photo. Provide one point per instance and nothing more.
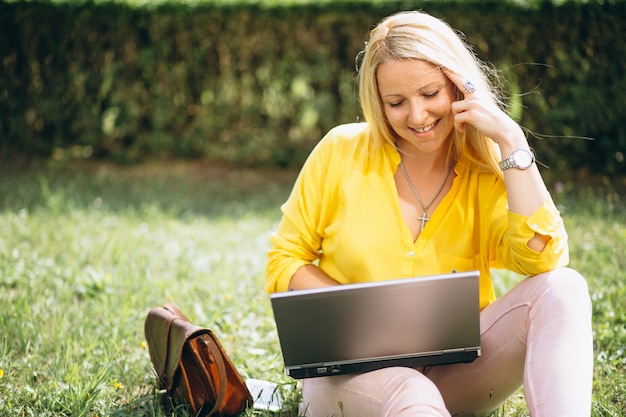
(86, 252)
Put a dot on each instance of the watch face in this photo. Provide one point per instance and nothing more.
(523, 159)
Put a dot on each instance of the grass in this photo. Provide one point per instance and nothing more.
(86, 250)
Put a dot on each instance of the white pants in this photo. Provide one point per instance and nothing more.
(538, 334)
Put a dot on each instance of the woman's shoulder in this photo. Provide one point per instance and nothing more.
(348, 133)
(349, 146)
(344, 140)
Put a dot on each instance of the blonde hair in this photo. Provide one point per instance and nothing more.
(417, 35)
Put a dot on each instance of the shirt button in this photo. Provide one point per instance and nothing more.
(411, 254)
(535, 227)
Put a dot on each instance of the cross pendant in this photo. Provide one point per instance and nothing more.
(424, 219)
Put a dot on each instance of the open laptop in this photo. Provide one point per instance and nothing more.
(413, 322)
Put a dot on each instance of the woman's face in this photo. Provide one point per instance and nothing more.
(417, 98)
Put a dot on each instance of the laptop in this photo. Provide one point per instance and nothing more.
(421, 321)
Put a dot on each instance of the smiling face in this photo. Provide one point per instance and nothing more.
(417, 98)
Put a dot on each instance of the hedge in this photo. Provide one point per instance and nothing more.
(258, 85)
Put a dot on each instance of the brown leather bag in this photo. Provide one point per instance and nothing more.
(192, 365)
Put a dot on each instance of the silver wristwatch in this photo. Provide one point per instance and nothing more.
(520, 158)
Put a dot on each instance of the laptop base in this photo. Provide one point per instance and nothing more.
(349, 368)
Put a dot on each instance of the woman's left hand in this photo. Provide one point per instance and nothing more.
(478, 110)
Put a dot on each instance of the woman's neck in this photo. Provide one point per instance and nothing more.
(423, 164)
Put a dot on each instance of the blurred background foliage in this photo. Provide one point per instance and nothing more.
(258, 83)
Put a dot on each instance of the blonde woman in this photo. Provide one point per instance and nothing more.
(439, 178)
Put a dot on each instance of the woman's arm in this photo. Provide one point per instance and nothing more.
(310, 276)
(525, 189)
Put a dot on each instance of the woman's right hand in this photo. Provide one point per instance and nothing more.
(310, 276)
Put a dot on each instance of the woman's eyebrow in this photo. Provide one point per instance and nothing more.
(433, 83)
(392, 95)
(424, 87)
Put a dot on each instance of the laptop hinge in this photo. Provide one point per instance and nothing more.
(454, 350)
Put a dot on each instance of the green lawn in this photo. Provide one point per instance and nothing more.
(86, 250)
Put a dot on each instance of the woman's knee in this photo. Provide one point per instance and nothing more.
(394, 391)
(411, 393)
(567, 281)
(565, 287)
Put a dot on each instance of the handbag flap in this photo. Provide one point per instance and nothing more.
(166, 330)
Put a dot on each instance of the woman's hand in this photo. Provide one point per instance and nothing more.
(310, 276)
(478, 110)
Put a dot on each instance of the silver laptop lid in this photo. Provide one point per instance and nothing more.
(373, 321)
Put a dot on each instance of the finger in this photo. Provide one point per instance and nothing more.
(456, 79)
(459, 122)
(464, 113)
(463, 85)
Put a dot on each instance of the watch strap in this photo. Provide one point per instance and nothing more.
(510, 161)
(507, 163)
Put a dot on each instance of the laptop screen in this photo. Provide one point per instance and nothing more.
(376, 322)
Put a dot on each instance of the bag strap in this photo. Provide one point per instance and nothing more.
(172, 308)
(221, 366)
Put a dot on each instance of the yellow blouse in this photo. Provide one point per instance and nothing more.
(343, 214)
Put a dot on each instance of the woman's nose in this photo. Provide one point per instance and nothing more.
(417, 113)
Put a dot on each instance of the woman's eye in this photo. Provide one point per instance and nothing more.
(395, 104)
(431, 94)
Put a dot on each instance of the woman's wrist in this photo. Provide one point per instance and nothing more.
(511, 141)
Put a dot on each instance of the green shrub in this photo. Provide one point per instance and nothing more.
(259, 85)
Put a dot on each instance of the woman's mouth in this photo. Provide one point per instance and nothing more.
(425, 128)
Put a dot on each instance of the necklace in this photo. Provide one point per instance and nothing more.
(423, 218)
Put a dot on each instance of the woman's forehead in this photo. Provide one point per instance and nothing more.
(398, 72)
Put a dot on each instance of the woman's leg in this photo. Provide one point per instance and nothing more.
(539, 333)
(389, 392)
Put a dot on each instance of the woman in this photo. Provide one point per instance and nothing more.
(439, 178)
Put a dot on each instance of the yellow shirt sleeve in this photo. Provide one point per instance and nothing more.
(545, 221)
(343, 214)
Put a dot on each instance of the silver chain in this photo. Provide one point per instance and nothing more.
(417, 196)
